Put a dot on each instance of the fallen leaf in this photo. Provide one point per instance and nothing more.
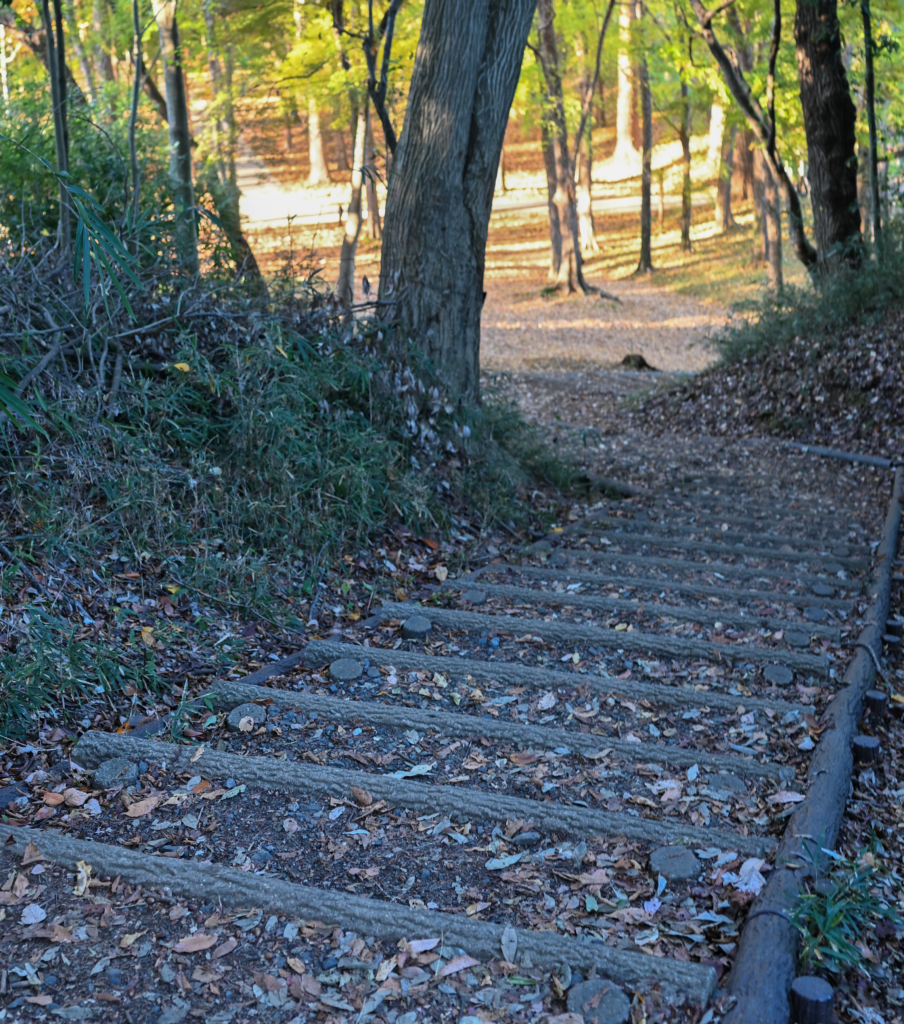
(296, 965)
(290, 825)
(227, 947)
(194, 757)
(32, 855)
(33, 914)
(183, 367)
(441, 573)
(475, 908)
(523, 757)
(547, 701)
(126, 941)
(195, 943)
(143, 807)
(785, 798)
(75, 797)
(460, 963)
(246, 724)
(39, 1000)
(147, 635)
(311, 985)
(362, 796)
(422, 945)
(83, 878)
(53, 799)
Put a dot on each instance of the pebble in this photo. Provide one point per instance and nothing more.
(373, 672)
(11, 793)
(778, 675)
(795, 639)
(230, 783)
(416, 628)
(841, 551)
(823, 590)
(253, 711)
(816, 614)
(526, 839)
(729, 782)
(674, 863)
(346, 670)
(118, 771)
(539, 547)
(834, 568)
(474, 597)
(262, 856)
(599, 1002)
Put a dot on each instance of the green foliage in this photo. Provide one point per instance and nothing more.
(842, 298)
(840, 910)
(49, 668)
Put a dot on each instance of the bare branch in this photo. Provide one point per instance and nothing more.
(588, 99)
(377, 92)
(770, 78)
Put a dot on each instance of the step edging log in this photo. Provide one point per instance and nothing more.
(384, 920)
(323, 781)
(766, 962)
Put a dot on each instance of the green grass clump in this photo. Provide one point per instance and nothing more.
(847, 297)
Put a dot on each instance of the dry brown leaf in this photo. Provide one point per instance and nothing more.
(32, 855)
(296, 965)
(362, 796)
(227, 947)
(53, 799)
(460, 963)
(195, 943)
(246, 724)
(194, 757)
(82, 879)
(143, 807)
(75, 797)
(126, 941)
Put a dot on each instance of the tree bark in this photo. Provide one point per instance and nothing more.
(185, 234)
(645, 263)
(760, 239)
(56, 66)
(101, 55)
(625, 150)
(35, 40)
(83, 62)
(716, 133)
(465, 72)
(829, 122)
(773, 223)
(130, 215)
(584, 159)
(374, 224)
(723, 215)
(318, 173)
(500, 174)
(345, 288)
(870, 97)
(684, 134)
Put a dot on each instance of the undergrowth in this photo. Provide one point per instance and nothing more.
(859, 296)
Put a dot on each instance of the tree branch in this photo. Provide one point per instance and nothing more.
(588, 99)
(770, 78)
(377, 92)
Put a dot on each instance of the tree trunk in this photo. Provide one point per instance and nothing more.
(130, 214)
(345, 288)
(722, 215)
(625, 150)
(185, 234)
(645, 263)
(584, 159)
(684, 134)
(465, 72)
(374, 224)
(501, 186)
(566, 252)
(870, 90)
(773, 222)
(83, 62)
(56, 65)
(101, 55)
(760, 240)
(745, 162)
(340, 152)
(716, 133)
(318, 173)
(829, 122)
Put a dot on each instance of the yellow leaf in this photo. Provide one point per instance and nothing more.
(441, 573)
(126, 941)
(184, 367)
(173, 590)
(147, 635)
(282, 351)
(297, 965)
(83, 879)
(194, 757)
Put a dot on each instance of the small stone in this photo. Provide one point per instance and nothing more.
(371, 622)
(526, 839)
(373, 672)
(346, 670)
(262, 856)
(674, 863)
(834, 568)
(823, 590)
(816, 614)
(230, 783)
(778, 675)
(255, 712)
(11, 793)
(142, 767)
(729, 782)
(841, 551)
(540, 547)
(599, 1002)
(416, 628)
(474, 597)
(118, 771)
(558, 559)
(795, 639)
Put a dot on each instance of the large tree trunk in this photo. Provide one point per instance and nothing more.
(716, 133)
(723, 216)
(645, 263)
(318, 172)
(56, 65)
(345, 288)
(374, 224)
(466, 69)
(625, 150)
(684, 133)
(566, 253)
(186, 237)
(829, 121)
(760, 239)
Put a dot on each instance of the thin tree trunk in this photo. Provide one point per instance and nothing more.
(773, 222)
(645, 263)
(101, 55)
(829, 121)
(870, 90)
(466, 69)
(745, 162)
(566, 256)
(684, 133)
(318, 173)
(723, 215)
(660, 181)
(716, 133)
(56, 67)
(345, 288)
(83, 62)
(340, 150)
(501, 186)
(760, 240)
(555, 224)
(185, 234)
(137, 62)
(584, 158)
(625, 150)
(374, 224)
